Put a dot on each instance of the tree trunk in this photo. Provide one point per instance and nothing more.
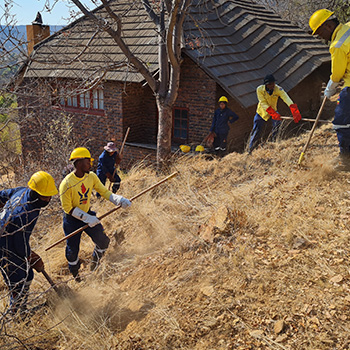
(164, 133)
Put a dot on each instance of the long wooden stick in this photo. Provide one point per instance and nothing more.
(120, 153)
(312, 131)
(113, 210)
(307, 120)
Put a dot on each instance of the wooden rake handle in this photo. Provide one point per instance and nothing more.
(312, 131)
(120, 153)
(112, 210)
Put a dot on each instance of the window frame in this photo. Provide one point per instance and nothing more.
(180, 139)
(73, 102)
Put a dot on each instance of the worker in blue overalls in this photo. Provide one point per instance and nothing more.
(324, 24)
(219, 128)
(17, 220)
(107, 161)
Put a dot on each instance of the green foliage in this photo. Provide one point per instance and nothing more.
(8, 104)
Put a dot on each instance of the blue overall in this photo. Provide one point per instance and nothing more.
(106, 164)
(258, 127)
(17, 221)
(220, 126)
(341, 122)
(71, 224)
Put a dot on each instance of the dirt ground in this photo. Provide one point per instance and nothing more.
(243, 252)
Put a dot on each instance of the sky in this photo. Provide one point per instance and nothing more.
(26, 10)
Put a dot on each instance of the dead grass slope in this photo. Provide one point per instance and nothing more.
(278, 279)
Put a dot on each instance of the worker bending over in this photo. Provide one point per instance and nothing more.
(268, 95)
(324, 24)
(21, 210)
(107, 161)
(75, 194)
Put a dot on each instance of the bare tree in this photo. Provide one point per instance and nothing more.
(168, 17)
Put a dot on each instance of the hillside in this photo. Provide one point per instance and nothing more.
(272, 274)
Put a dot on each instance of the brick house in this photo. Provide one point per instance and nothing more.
(242, 43)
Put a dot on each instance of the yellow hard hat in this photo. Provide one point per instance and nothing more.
(80, 153)
(223, 99)
(185, 148)
(43, 183)
(199, 148)
(318, 18)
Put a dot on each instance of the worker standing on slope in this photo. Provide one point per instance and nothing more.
(327, 26)
(107, 161)
(268, 95)
(22, 207)
(75, 194)
(220, 127)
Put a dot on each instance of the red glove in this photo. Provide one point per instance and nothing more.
(295, 112)
(273, 114)
(36, 262)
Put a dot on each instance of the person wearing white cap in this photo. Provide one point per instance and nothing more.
(107, 161)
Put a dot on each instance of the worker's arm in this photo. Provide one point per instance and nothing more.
(339, 64)
(118, 159)
(232, 117)
(99, 187)
(66, 197)
(293, 106)
(5, 195)
(285, 97)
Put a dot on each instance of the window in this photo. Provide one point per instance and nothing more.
(180, 124)
(92, 99)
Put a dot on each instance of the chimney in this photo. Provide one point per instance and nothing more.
(36, 32)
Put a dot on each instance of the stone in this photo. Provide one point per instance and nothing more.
(278, 327)
(222, 223)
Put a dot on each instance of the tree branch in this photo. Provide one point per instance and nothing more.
(151, 12)
(120, 42)
(163, 57)
(173, 60)
(114, 16)
(168, 5)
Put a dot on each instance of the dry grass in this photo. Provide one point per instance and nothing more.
(162, 287)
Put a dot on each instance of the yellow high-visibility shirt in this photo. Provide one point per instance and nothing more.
(266, 100)
(340, 52)
(76, 192)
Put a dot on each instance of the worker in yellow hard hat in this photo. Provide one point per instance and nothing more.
(21, 209)
(324, 24)
(219, 129)
(75, 194)
(268, 94)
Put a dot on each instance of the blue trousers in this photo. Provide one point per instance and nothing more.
(18, 276)
(96, 233)
(342, 118)
(258, 128)
(220, 142)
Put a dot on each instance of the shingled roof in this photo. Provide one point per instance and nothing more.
(237, 42)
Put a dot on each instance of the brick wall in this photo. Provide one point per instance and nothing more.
(197, 92)
(134, 154)
(89, 129)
